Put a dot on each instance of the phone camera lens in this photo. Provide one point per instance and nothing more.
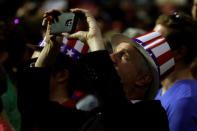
(68, 22)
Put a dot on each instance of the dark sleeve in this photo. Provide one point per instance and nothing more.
(102, 77)
(54, 117)
(150, 115)
(33, 86)
(33, 91)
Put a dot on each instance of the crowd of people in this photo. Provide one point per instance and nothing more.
(129, 66)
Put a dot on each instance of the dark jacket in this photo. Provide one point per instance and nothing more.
(114, 112)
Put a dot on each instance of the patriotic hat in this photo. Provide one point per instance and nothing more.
(155, 50)
(72, 48)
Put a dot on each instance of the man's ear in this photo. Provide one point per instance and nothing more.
(143, 80)
(62, 75)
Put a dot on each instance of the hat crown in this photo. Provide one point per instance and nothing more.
(72, 48)
(157, 47)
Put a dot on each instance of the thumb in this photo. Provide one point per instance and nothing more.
(80, 35)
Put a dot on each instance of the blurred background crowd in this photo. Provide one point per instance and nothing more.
(112, 15)
(21, 25)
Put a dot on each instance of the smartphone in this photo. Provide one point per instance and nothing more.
(65, 22)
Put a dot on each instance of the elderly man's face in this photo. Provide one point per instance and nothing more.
(126, 62)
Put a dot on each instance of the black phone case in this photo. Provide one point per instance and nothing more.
(65, 22)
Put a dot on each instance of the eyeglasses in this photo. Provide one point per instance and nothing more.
(176, 15)
(182, 18)
(179, 18)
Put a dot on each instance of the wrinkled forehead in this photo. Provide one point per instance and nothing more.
(122, 45)
(125, 46)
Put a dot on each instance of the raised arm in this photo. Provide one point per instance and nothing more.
(53, 43)
(92, 36)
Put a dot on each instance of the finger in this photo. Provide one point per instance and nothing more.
(78, 10)
(81, 35)
(44, 22)
(45, 15)
(51, 15)
(83, 11)
(66, 34)
(90, 18)
(53, 12)
(50, 19)
(48, 30)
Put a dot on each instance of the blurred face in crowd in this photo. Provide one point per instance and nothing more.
(126, 61)
(161, 29)
(194, 10)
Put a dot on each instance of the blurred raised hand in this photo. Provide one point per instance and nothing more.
(194, 10)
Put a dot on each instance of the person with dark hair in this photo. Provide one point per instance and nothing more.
(178, 93)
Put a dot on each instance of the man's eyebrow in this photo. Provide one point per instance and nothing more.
(121, 50)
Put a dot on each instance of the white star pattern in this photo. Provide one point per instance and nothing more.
(69, 52)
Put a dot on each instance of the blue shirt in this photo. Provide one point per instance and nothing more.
(180, 103)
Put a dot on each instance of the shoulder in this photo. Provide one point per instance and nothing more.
(183, 115)
(149, 104)
(152, 108)
(185, 89)
(182, 109)
(185, 104)
(150, 113)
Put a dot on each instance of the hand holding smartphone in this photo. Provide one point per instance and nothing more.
(65, 22)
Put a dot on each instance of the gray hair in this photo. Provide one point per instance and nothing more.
(151, 89)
